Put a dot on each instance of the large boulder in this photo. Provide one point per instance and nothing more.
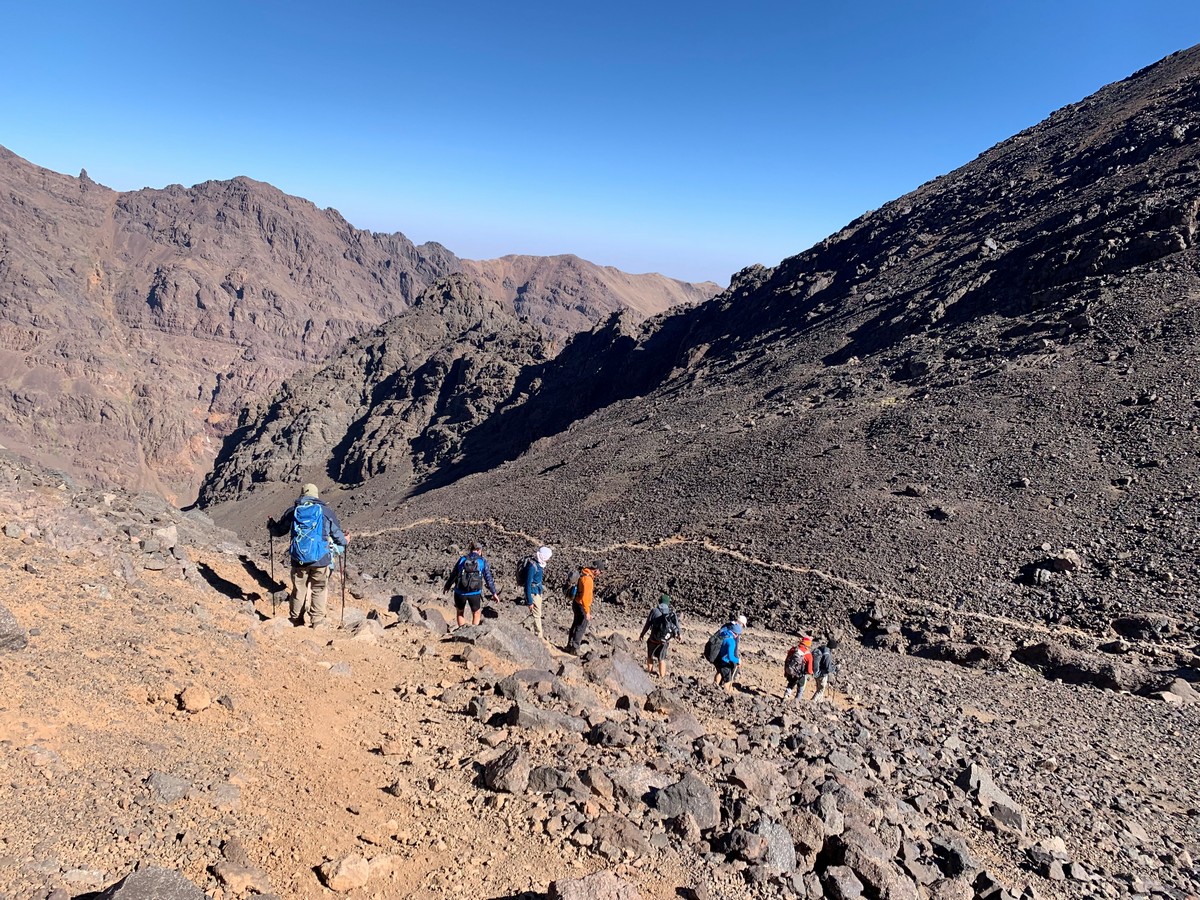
(690, 796)
(621, 674)
(509, 773)
(153, 883)
(524, 714)
(508, 640)
(1076, 667)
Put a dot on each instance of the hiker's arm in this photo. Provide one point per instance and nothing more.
(451, 577)
(529, 573)
(335, 527)
(487, 578)
(281, 526)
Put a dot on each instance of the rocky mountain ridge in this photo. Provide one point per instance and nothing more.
(134, 327)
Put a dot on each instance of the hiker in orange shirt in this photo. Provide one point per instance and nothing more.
(581, 605)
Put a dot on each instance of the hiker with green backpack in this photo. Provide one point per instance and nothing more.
(316, 535)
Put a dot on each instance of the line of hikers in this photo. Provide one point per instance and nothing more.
(317, 539)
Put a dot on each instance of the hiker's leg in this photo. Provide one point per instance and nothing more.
(460, 608)
(318, 581)
(536, 611)
(575, 636)
(296, 601)
(477, 609)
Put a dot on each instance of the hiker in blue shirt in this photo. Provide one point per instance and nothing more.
(468, 578)
(728, 660)
(316, 535)
(535, 590)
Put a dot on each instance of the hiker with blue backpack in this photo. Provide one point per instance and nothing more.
(316, 537)
(467, 579)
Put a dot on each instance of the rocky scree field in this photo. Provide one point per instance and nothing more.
(159, 713)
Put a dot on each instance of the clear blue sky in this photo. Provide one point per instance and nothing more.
(691, 138)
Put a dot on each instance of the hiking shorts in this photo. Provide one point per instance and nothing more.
(475, 601)
(726, 673)
(656, 650)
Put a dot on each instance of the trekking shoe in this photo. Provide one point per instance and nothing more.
(298, 623)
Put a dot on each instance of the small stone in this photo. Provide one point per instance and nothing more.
(346, 874)
(195, 699)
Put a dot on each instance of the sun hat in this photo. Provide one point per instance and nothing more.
(309, 490)
(544, 554)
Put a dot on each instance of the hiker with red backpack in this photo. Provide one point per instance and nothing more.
(798, 668)
(316, 536)
(467, 579)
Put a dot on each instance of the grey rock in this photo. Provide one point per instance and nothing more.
(508, 640)
(780, 856)
(153, 883)
(841, 883)
(167, 788)
(620, 673)
(527, 715)
(690, 796)
(12, 635)
(509, 773)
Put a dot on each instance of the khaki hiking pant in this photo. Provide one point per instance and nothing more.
(309, 589)
(535, 614)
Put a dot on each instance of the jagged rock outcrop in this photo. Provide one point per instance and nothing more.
(134, 327)
(397, 400)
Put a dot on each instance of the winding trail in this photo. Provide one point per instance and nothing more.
(710, 546)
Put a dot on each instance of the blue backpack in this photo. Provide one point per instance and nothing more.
(308, 533)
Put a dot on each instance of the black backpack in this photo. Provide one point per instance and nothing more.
(823, 664)
(523, 570)
(712, 649)
(470, 575)
(664, 626)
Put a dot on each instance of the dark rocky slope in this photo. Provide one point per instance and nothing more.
(926, 410)
(134, 327)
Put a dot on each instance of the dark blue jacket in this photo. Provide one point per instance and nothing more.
(484, 569)
(534, 576)
(332, 527)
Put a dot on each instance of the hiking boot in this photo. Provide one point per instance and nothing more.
(298, 623)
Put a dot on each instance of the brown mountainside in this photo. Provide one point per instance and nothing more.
(978, 400)
(135, 326)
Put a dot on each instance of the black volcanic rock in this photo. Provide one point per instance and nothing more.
(1016, 337)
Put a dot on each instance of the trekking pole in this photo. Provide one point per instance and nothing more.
(344, 551)
(271, 538)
